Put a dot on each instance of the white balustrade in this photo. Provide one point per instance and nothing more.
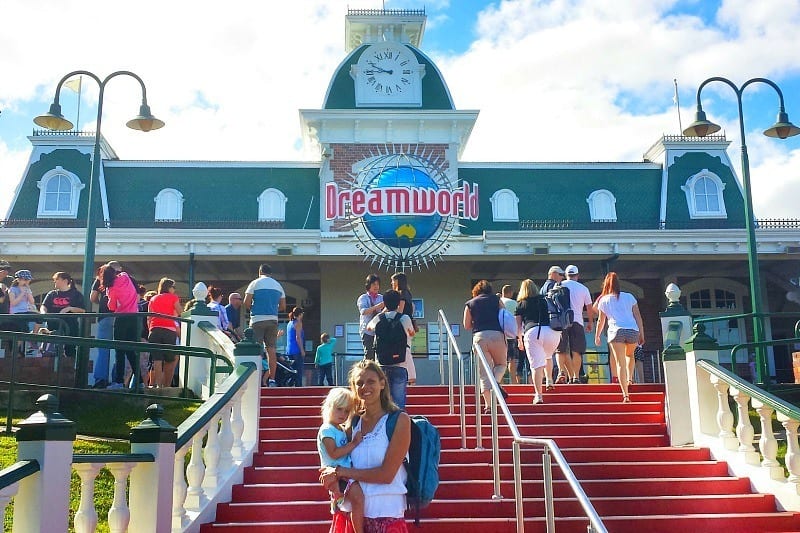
(744, 429)
(195, 472)
(211, 455)
(768, 444)
(237, 425)
(119, 515)
(86, 516)
(225, 441)
(179, 516)
(724, 414)
(792, 449)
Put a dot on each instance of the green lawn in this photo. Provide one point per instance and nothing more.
(103, 418)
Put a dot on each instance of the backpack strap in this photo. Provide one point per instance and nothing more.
(391, 422)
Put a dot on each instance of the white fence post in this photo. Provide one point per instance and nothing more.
(677, 411)
(42, 503)
(248, 351)
(151, 489)
(703, 398)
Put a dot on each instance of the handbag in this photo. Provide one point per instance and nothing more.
(507, 322)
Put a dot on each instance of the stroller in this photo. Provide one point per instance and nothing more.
(285, 375)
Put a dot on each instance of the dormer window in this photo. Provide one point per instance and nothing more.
(59, 194)
(704, 195)
(169, 206)
(272, 206)
(602, 206)
(505, 206)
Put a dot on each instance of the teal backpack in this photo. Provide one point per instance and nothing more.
(422, 465)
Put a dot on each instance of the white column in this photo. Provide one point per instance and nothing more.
(86, 516)
(42, 502)
(119, 515)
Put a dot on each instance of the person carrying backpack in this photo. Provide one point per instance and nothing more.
(392, 332)
(378, 461)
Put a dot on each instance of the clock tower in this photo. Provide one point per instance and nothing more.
(388, 122)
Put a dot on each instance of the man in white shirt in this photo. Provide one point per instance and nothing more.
(573, 340)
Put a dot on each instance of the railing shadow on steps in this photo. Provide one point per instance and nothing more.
(551, 449)
(165, 493)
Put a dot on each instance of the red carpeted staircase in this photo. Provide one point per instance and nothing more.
(619, 452)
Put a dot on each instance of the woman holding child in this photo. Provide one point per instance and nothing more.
(378, 459)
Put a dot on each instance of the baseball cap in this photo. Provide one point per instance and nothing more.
(23, 274)
(571, 270)
(4, 265)
(557, 269)
(234, 296)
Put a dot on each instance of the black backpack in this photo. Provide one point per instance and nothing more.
(391, 340)
(558, 307)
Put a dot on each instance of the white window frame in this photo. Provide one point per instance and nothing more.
(269, 210)
(596, 199)
(75, 188)
(165, 210)
(689, 189)
(505, 206)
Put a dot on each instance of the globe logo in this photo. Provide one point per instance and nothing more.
(402, 231)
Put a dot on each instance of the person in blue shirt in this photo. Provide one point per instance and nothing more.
(323, 360)
(265, 298)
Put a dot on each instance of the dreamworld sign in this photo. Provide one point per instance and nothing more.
(396, 201)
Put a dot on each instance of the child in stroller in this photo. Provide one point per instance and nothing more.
(286, 376)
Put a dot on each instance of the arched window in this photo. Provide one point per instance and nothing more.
(271, 206)
(169, 206)
(602, 206)
(59, 193)
(704, 195)
(505, 206)
(708, 297)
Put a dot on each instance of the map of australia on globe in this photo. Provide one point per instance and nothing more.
(402, 231)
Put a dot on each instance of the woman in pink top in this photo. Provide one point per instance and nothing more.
(163, 331)
(122, 298)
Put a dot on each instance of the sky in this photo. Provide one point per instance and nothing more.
(554, 80)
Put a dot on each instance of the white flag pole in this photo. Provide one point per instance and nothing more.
(677, 104)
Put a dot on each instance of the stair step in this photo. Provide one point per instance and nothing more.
(619, 452)
(705, 523)
(479, 508)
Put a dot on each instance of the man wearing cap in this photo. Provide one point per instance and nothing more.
(234, 312)
(555, 275)
(573, 339)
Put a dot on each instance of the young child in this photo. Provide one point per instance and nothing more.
(334, 449)
(324, 359)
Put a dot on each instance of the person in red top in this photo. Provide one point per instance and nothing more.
(163, 331)
(122, 298)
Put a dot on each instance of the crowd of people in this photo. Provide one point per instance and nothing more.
(537, 344)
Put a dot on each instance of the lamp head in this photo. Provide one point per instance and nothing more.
(53, 119)
(701, 126)
(782, 128)
(145, 121)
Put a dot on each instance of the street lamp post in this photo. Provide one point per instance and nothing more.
(782, 129)
(54, 120)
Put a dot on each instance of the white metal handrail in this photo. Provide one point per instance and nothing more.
(452, 347)
(595, 522)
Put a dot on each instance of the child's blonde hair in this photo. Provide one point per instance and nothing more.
(324, 338)
(337, 397)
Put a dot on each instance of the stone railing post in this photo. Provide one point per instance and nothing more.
(249, 351)
(151, 483)
(42, 502)
(678, 413)
(198, 371)
(703, 396)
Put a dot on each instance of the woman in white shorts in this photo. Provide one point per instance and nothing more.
(535, 336)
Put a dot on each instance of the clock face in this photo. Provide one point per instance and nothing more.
(388, 71)
(388, 75)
